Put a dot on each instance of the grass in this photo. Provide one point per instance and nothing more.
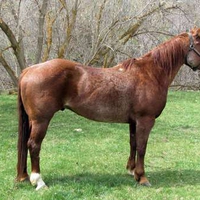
(81, 159)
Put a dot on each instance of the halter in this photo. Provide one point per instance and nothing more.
(192, 48)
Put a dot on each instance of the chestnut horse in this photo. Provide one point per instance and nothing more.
(132, 92)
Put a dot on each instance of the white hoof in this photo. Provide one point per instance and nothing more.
(36, 180)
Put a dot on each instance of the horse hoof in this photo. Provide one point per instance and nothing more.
(146, 184)
(41, 187)
(144, 181)
(34, 178)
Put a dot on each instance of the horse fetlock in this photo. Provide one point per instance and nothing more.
(138, 174)
(130, 169)
(22, 178)
(130, 165)
(36, 180)
(131, 172)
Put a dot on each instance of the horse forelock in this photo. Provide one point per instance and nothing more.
(170, 53)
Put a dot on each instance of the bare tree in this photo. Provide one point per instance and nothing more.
(42, 14)
(50, 20)
(70, 25)
(18, 51)
(135, 23)
(98, 33)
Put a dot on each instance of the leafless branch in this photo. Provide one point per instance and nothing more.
(9, 70)
(41, 32)
(14, 43)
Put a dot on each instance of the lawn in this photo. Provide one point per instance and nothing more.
(82, 159)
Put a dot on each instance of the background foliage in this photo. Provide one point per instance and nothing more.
(98, 33)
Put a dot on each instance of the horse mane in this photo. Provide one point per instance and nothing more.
(166, 55)
(128, 63)
(170, 53)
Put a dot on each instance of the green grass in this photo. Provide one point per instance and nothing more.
(90, 164)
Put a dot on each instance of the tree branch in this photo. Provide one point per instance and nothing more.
(69, 29)
(14, 44)
(41, 33)
(49, 33)
(9, 70)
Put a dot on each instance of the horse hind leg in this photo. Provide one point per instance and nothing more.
(37, 135)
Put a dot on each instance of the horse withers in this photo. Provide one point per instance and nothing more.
(132, 92)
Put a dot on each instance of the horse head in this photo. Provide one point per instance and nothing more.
(193, 55)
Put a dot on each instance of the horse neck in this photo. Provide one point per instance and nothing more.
(170, 56)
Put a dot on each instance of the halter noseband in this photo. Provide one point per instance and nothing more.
(191, 48)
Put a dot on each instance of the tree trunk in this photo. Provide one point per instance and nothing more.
(14, 44)
(41, 31)
(9, 70)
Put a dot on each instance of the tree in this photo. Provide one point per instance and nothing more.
(17, 49)
(98, 33)
(135, 23)
(42, 14)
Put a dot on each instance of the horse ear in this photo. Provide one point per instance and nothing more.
(193, 31)
(198, 32)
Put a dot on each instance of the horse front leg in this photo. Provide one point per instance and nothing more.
(38, 132)
(131, 161)
(143, 128)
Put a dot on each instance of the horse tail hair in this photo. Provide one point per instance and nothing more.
(23, 136)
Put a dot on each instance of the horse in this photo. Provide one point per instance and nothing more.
(132, 92)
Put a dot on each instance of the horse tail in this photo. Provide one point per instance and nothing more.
(23, 136)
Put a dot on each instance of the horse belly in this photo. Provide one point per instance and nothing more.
(101, 99)
(101, 113)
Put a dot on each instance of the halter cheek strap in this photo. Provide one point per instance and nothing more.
(191, 48)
